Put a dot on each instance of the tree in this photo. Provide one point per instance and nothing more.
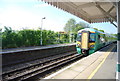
(114, 35)
(70, 25)
(9, 38)
(84, 25)
(95, 28)
(69, 28)
(99, 30)
(102, 31)
(73, 27)
(77, 28)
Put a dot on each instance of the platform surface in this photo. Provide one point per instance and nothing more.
(100, 65)
(108, 69)
(35, 47)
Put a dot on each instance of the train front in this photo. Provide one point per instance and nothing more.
(85, 42)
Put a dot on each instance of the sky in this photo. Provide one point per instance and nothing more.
(27, 14)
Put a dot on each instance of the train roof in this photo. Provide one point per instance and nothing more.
(93, 30)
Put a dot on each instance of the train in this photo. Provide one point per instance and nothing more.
(90, 40)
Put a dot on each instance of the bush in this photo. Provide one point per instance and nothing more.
(27, 37)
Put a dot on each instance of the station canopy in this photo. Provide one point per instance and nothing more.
(90, 11)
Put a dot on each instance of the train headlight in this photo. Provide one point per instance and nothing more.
(78, 45)
(92, 46)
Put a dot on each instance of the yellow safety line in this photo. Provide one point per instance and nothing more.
(106, 54)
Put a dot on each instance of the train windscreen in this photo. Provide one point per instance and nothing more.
(92, 37)
(79, 37)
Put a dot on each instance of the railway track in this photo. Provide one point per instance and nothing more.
(33, 69)
(39, 68)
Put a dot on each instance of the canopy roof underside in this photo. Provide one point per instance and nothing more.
(91, 12)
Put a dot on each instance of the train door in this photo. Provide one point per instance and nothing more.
(85, 42)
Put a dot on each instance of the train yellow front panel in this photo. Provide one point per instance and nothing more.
(91, 45)
(84, 44)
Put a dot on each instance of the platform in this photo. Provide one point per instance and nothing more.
(19, 49)
(100, 65)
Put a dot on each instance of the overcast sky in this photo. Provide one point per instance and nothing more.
(20, 14)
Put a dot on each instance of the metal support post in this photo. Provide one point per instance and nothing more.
(118, 42)
(41, 32)
(41, 39)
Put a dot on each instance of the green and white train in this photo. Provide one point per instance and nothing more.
(89, 40)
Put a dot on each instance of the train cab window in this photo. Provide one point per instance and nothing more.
(79, 37)
(92, 37)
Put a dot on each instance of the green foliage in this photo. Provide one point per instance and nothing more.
(95, 28)
(114, 35)
(102, 31)
(63, 37)
(99, 30)
(48, 37)
(84, 25)
(9, 38)
(70, 25)
(27, 37)
(77, 28)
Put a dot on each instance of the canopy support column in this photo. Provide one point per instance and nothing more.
(118, 41)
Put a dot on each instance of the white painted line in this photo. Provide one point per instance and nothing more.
(116, 76)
